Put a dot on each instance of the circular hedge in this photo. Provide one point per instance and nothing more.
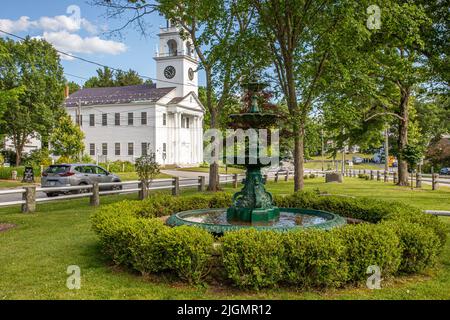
(396, 237)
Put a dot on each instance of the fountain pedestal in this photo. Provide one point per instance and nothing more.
(253, 204)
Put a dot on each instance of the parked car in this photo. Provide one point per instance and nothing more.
(358, 160)
(67, 175)
(445, 171)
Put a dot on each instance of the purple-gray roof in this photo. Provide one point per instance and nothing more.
(116, 95)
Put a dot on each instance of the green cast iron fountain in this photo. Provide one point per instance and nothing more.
(252, 207)
(253, 203)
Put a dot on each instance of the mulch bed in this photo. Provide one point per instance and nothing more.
(6, 226)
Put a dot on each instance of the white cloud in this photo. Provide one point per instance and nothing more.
(56, 23)
(73, 43)
(21, 24)
(61, 31)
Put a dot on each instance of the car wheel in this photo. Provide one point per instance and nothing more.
(116, 187)
(80, 191)
(51, 194)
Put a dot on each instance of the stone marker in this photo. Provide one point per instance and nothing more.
(333, 177)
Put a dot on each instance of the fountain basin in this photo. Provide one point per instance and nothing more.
(215, 220)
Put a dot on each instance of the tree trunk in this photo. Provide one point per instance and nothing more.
(298, 157)
(213, 184)
(296, 126)
(403, 137)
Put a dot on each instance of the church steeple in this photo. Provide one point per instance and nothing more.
(176, 61)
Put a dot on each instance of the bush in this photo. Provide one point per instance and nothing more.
(38, 157)
(398, 239)
(147, 245)
(253, 258)
(315, 258)
(368, 244)
(312, 176)
(419, 246)
(119, 166)
(189, 252)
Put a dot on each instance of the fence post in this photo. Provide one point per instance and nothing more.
(143, 192)
(371, 174)
(276, 176)
(418, 180)
(30, 199)
(378, 175)
(201, 183)
(95, 197)
(286, 178)
(235, 180)
(386, 176)
(364, 171)
(395, 177)
(435, 181)
(176, 186)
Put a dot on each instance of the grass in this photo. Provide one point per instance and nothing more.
(222, 170)
(4, 184)
(317, 165)
(35, 255)
(127, 176)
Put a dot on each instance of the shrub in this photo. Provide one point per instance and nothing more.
(113, 224)
(189, 252)
(312, 175)
(363, 176)
(147, 245)
(253, 258)
(315, 258)
(400, 238)
(368, 244)
(147, 168)
(419, 246)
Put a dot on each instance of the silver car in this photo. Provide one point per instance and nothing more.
(67, 175)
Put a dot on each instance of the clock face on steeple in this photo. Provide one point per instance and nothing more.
(191, 74)
(169, 72)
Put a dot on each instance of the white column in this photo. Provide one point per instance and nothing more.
(200, 139)
(177, 137)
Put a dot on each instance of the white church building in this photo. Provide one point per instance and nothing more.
(123, 123)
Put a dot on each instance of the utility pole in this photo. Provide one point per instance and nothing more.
(79, 119)
(386, 148)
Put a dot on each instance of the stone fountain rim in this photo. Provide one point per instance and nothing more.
(176, 220)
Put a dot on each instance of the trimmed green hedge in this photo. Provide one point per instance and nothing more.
(397, 237)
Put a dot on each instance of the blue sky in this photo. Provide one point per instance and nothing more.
(57, 21)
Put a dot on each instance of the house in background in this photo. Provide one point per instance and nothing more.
(33, 143)
(124, 123)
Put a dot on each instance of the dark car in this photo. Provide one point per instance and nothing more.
(67, 175)
(445, 171)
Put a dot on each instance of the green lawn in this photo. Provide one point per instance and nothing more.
(10, 184)
(222, 170)
(127, 176)
(35, 255)
(328, 165)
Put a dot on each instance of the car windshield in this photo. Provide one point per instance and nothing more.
(57, 169)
